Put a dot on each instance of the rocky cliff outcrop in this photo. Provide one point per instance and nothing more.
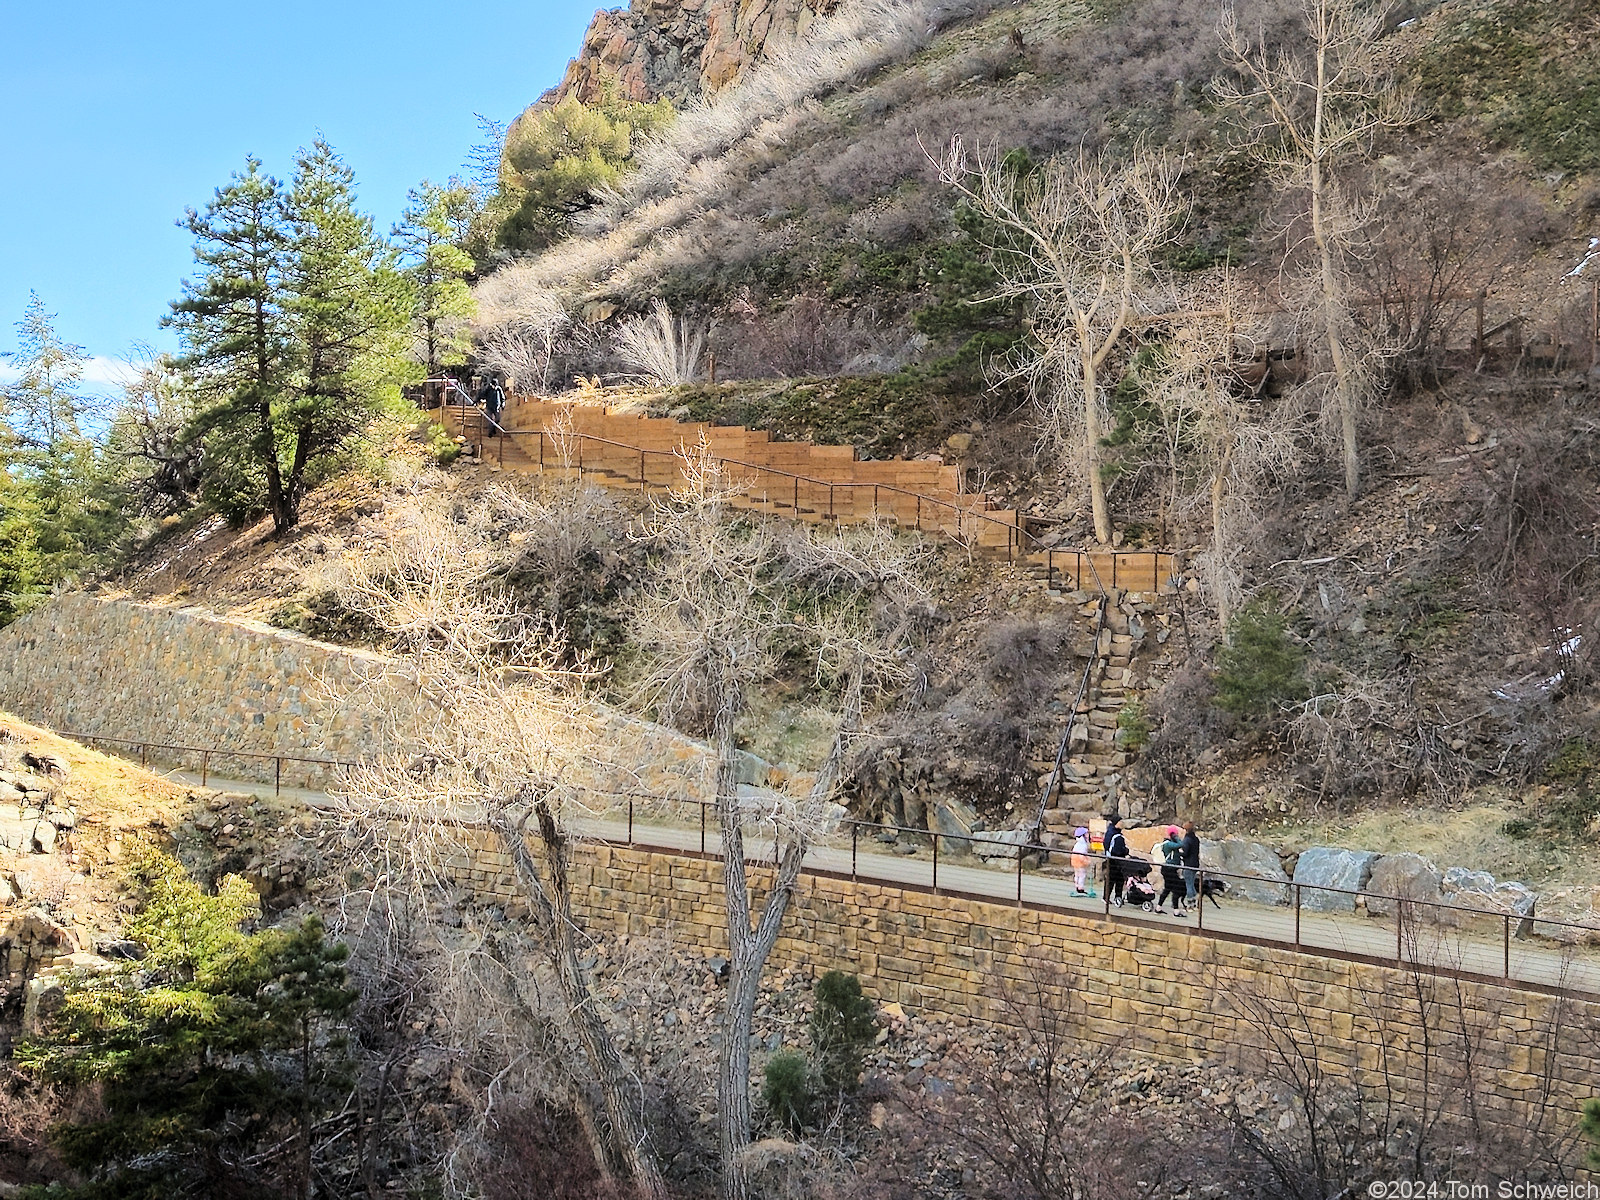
(680, 49)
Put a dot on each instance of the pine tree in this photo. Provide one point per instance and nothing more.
(435, 223)
(236, 338)
(215, 1058)
(294, 333)
(52, 518)
(348, 307)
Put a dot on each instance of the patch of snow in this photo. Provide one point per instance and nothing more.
(1594, 253)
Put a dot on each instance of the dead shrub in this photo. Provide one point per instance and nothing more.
(534, 1144)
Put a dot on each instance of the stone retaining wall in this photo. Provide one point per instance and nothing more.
(121, 669)
(183, 676)
(1134, 986)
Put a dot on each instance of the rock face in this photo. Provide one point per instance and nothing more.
(1408, 877)
(1266, 882)
(1332, 867)
(1479, 889)
(680, 49)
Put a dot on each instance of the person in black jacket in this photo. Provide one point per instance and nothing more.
(1116, 847)
(1189, 853)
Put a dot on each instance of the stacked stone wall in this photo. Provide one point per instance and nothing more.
(1129, 986)
(119, 669)
(181, 676)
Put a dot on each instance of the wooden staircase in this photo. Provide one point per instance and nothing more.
(798, 480)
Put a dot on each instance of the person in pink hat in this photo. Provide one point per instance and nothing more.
(1080, 860)
(1171, 873)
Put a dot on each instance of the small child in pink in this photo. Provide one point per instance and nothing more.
(1080, 860)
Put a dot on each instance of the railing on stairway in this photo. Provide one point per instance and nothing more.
(1139, 570)
(1053, 781)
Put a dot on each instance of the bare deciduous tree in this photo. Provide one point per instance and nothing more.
(1313, 113)
(1077, 241)
(500, 738)
(1223, 446)
(711, 621)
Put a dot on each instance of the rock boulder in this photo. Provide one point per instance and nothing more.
(1332, 867)
(1479, 889)
(1001, 843)
(1401, 877)
(1265, 882)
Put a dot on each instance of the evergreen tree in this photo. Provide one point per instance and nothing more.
(53, 514)
(558, 156)
(23, 571)
(215, 1058)
(349, 307)
(436, 222)
(294, 333)
(236, 337)
(1260, 671)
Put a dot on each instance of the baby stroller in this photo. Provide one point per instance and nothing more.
(1137, 889)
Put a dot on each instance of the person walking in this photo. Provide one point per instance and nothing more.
(1190, 856)
(1080, 861)
(1116, 860)
(1171, 879)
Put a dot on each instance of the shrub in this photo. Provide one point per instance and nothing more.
(1262, 670)
(786, 1089)
(556, 158)
(841, 1028)
(660, 348)
(1133, 725)
(203, 1058)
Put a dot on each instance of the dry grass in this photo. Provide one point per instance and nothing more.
(1472, 837)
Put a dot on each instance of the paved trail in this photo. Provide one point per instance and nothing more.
(1481, 948)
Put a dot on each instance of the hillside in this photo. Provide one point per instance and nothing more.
(796, 217)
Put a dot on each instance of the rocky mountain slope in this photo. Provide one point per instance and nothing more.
(680, 51)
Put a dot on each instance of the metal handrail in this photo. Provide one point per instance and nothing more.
(1018, 539)
(1405, 906)
(1054, 780)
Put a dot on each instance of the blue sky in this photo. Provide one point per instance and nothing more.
(116, 116)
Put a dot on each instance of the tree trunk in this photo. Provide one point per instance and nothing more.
(733, 1065)
(624, 1147)
(1333, 318)
(1219, 491)
(1091, 449)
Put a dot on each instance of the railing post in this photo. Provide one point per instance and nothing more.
(855, 830)
(1019, 880)
(641, 471)
(1296, 913)
(1200, 897)
(919, 512)
(936, 862)
(541, 449)
(1399, 930)
(702, 827)
(277, 776)
(630, 822)
(797, 497)
(831, 515)
(1505, 942)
